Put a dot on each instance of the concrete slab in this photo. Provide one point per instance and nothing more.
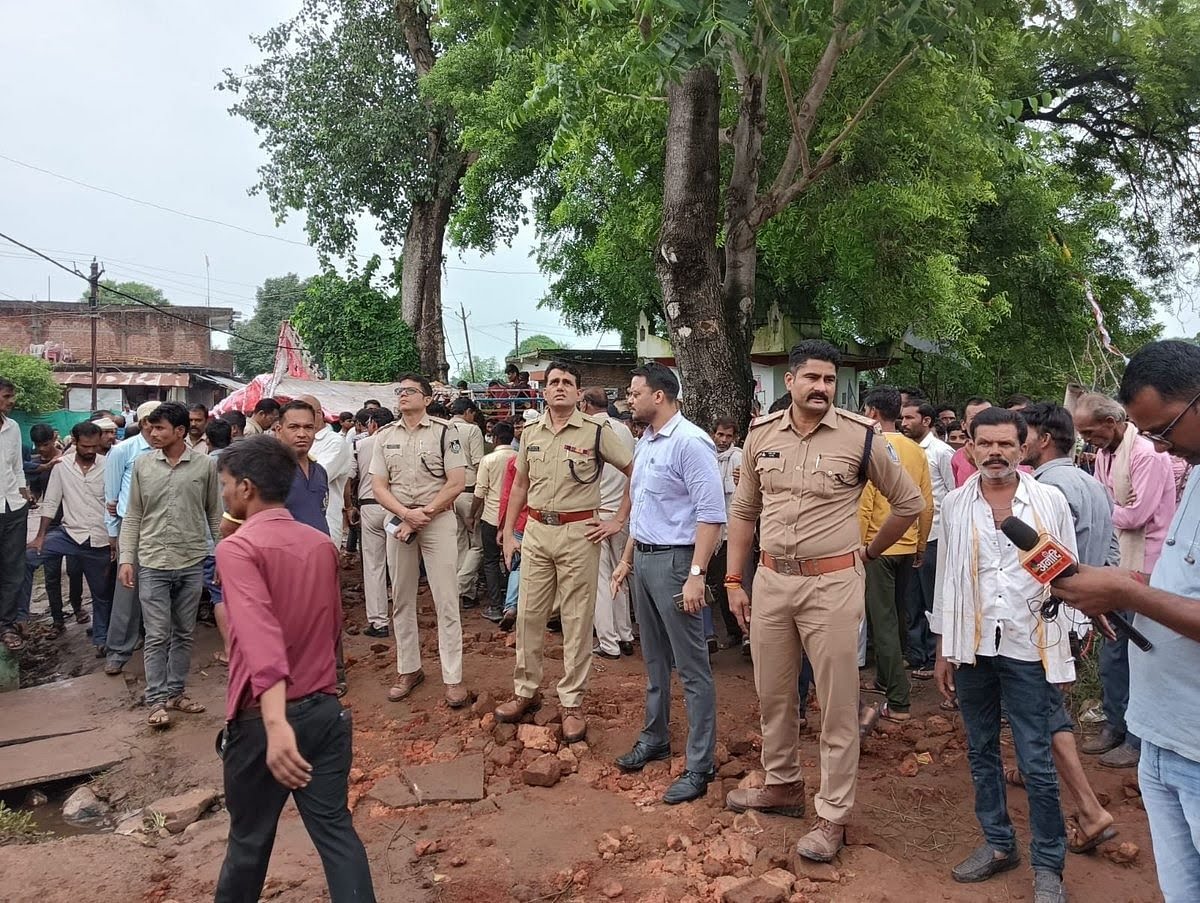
(55, 758)
(60, 708)
(394, 793)
(458, 781)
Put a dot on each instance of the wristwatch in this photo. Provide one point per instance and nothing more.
(696, 571)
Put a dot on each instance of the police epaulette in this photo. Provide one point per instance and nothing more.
(759, 421)
(859, 418)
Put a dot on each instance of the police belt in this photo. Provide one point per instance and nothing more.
(558, 518)
(807, 567)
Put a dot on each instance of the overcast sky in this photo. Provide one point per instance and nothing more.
(120, 95)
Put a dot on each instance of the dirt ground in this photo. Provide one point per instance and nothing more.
(596, 835)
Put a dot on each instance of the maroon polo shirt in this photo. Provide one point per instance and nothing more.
(279, 578)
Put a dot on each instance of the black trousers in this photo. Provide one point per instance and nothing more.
(12, 562)
(255, 800)
(497, 582)
(717, 568)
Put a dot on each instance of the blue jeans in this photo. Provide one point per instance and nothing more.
(98, 570)
(1170, 787)
(1114, 682)
(1031, 703)
(514, 585)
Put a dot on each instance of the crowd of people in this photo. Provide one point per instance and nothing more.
(823, 535)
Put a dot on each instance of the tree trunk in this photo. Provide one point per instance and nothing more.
(712, 358)
(421, 280)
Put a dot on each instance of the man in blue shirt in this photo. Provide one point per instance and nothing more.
(675, 526)
(125, 621)
(309, 496)
(1160, 391)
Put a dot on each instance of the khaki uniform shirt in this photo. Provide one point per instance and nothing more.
(252, 428)
(413, 460)
(561, 466)
(171, 511)
(806, 488)
(473, 448)
(489, 483)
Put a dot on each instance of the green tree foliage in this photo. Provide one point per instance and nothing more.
(37, 392)
(139, 290)
(353, 330)
(486, 368)
(254, 345)
(533, 344)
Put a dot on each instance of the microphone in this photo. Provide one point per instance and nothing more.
(1048, 560)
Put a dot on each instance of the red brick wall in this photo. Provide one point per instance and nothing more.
(123, 335)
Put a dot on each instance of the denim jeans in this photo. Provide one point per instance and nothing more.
(1031, 704)
(170, 600)
(51, 566)
(514, 585)
(98, 570)
(1114, 682)
(1170, 785)
(922, 645)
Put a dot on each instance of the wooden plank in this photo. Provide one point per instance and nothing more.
(63, 707)
(42, 761)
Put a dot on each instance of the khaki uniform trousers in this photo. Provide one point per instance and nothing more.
(436, 544)
(375, 562)
(613, 622)
(820, 616)
(470, 548)
(556, 562)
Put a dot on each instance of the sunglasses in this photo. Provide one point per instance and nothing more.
(1161, 438)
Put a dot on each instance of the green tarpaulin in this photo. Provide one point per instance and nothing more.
(60, 420)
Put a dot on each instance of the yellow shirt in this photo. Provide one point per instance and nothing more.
(874, 509)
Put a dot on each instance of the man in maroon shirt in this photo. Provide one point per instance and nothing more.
(286, 733)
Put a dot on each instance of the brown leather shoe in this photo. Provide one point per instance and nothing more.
(457, 696)
(405, 685)
(515, 709)
(573, 724)
(779, 799)
(822, 843)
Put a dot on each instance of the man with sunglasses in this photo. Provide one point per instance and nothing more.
(1141, 480)
(1161, 391)
(418, 469)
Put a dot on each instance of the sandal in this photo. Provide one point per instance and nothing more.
(12, 640)
(221, 659)
(1078, 842)
(181, 703)
(159, 718)
(82, 617)
(870, 685)
(923, 674)
(949, 705)
(1014, 777)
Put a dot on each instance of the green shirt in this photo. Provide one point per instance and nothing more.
(171, 511)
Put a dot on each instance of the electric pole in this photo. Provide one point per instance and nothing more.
(94, 309)
(462, 314)
(516, 339)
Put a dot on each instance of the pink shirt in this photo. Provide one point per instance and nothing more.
(1153, 480)
(279, 578)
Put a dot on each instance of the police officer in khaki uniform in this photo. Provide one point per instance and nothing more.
(417, 469)
(804, 471)
(558, 474)
(470, 537)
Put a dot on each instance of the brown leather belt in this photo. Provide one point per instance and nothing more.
(558, 518)
(807, 567)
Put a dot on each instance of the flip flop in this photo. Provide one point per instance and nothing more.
(949, 705)
(1014, 777)
(221, 659)
(1087, 844)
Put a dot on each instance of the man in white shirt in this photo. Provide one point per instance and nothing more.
(613, 621)
(464, 415)
(337, 457)
(14, 502)
(1003, 641)
(729, 462)
(916, 422)
(78, 485)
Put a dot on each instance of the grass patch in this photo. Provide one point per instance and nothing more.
(1087, 677)
(18, 827)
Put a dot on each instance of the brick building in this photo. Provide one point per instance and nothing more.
(141, 354)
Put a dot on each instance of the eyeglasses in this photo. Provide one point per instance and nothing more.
(406, 391)
(1161, 438)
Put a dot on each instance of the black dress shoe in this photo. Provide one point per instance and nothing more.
(636, 758)
(691, 785)
(612, 656)
(376, 631)
(984, 863)
(626, 647)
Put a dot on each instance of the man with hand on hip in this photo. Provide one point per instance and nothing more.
(675, 527)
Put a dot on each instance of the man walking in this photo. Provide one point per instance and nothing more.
(614, 626)
(465, 416)
(174, 506)
(262, 420)
(485, 508)
(999, 647)
(125, 621)
(372, 517)
(77, 484)
(888, 575)
(804, 472)
(558, 471)
(1142, 482)
(1161, 390)
(14, 517)
(285, 733)
(417, 468)
(729, 463)
(674, 528)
